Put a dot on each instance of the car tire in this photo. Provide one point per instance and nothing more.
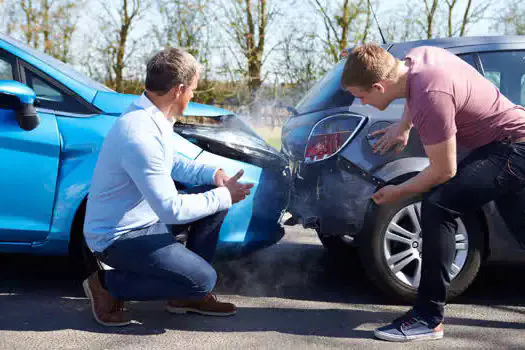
(372, 247)
(83, 262)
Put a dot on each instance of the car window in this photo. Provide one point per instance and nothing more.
(53, 62)
(6, 69)
(494, 77)
(469, 59)
(51, 96)
(505, 69)
(326, 93)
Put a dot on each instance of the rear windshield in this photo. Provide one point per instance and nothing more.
(326, 93)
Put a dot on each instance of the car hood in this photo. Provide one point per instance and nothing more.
(114, 103)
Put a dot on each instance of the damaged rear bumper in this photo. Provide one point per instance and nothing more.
(330, 197)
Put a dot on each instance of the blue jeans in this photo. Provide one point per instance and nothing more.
(492, 172)
(149, 264)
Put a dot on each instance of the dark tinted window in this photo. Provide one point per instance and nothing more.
(469, 59)
(327, 93)
(506, 70)
(51, 96)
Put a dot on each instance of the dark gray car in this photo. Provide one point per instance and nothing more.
(335, 172)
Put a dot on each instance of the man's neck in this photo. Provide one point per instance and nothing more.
(402, 77)
(163, 104)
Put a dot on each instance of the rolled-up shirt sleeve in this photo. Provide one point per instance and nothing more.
(192, 172)
(143, 160)
(434, 117)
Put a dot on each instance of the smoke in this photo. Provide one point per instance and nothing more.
(269, 106)
(286, 269)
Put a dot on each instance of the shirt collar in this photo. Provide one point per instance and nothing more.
(156, 114)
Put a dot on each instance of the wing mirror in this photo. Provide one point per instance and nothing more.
(21, 99)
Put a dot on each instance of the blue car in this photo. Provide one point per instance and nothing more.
(48, 157)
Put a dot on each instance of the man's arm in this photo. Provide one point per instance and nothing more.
(437, 129)
(442, 168)
(143, 160)
(442, 157)
(192, 172)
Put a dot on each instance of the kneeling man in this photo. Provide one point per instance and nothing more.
(134, 210)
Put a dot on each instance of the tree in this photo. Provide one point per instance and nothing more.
(117, 47)
(47, 24)
(431, 7)
(248, 26)
(183, 24)
(348, 22)
(512, 17)
(436, 18)
(471, 14)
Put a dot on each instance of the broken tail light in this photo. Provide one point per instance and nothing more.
(330, 135)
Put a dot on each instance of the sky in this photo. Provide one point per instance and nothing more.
(295, 12)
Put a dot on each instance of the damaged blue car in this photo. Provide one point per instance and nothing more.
(53, 121)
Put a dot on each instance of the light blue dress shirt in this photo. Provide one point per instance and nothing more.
(132, 185)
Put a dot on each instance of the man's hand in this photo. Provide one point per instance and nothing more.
(388, 194)
(237, 190)
(220, 178)
(395, 135)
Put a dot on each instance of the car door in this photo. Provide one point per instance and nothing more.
(28, 171)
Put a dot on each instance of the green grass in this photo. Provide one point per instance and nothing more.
(271, 135)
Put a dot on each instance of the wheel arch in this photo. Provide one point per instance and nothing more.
(394, 174)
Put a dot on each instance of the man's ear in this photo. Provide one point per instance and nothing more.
(379, 87)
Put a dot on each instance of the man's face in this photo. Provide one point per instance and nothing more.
(186, 93)
(377, 96)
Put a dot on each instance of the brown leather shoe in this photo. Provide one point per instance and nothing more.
(209, 305)
(106, 310)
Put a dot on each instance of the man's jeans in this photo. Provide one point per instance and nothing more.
(492, 172)
(149, 264)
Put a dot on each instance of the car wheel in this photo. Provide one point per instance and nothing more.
(83, 262)
(391, 251)
(338, 245)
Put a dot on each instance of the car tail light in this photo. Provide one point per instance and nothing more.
(330, 135)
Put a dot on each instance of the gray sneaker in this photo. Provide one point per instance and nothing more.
(409, 327)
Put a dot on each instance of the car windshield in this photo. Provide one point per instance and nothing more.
(326, 93)
(53, 62)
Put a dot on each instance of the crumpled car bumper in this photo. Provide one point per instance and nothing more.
(328, 197)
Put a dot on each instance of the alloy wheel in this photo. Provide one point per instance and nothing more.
(403, 246)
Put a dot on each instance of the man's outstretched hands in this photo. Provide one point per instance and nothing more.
(238, 191)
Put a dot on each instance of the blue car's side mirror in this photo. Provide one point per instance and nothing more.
(20, 98)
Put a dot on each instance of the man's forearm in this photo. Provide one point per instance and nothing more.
(424, 181)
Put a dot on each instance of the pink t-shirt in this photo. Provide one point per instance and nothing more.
(446, 96)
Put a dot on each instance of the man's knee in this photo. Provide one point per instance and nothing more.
(204, 277)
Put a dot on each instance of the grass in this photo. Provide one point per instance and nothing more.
(271, 135)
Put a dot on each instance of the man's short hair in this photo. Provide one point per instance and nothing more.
(366, 65)
(169, 68)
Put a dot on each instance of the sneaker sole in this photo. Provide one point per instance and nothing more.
(411, 338)
(185, 310)
(87, 291)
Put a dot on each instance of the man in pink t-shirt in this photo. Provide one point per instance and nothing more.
(449, 103)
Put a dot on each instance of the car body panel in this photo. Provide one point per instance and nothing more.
(63, 151)
(30, 161)
(358, 170)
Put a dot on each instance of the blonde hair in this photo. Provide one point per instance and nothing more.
(366, 65)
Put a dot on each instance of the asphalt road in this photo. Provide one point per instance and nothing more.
(291, 295)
